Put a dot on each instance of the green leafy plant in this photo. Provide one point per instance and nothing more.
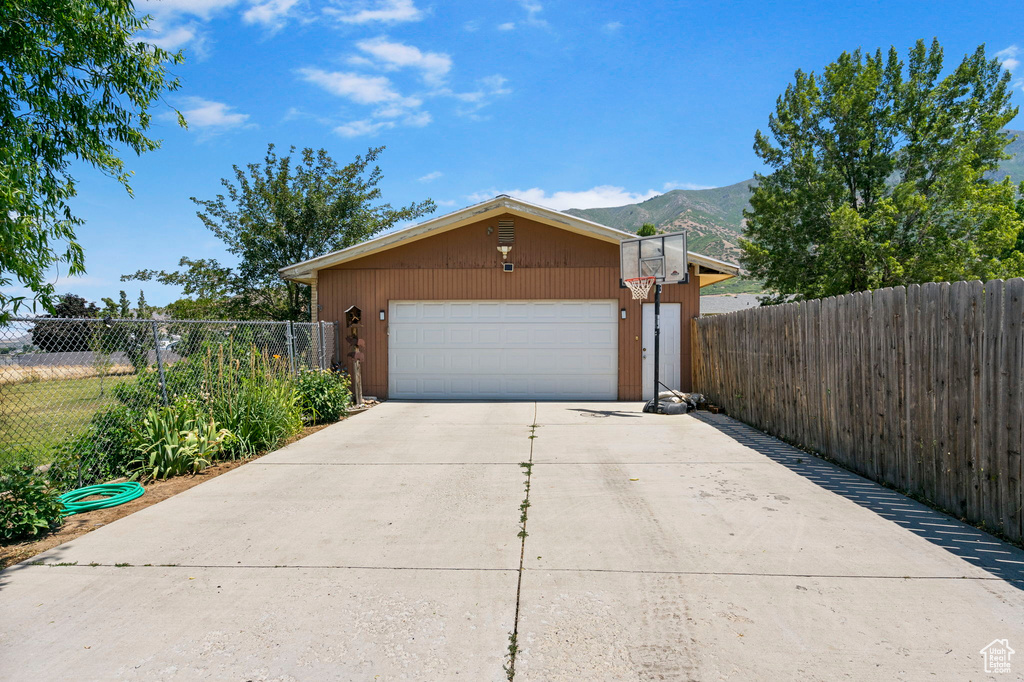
(104, 451)
(179, 439)
(324, 395)
(28, 504)
(254, 396)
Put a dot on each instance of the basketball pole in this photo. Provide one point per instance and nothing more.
(652, 405)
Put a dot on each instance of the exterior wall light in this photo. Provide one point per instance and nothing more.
(504, 248)
(622, 313)
(382, 315)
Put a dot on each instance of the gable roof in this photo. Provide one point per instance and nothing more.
(500, 205)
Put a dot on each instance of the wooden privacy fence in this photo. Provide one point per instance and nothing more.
(921, 388)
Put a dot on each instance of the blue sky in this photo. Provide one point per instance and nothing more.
(567, 104)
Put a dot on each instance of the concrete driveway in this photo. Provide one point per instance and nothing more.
(388, 547)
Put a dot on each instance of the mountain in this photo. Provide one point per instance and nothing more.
(714, 217)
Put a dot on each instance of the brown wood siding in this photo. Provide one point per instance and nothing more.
(464, 264)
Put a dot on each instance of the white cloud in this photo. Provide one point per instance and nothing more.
(471, 26)
(179, 24)
(386, 11)
(356, 87)
(533, 10)
(675, 184)
(364, 127)
(433, 66)
(173, 37)
(418, 119)
(1008, 57)
(430, 177)
(597, 197)
(206, 114)
(488, 88)
(507, 26)
(272, 14)
(612, 26)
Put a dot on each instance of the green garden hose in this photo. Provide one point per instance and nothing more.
(113, 494)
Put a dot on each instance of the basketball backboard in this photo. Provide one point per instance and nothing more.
(662, 257)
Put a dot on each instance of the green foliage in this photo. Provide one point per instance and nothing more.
(647, 230)
(28, 505)
(324, 395)
(76, 84)
(275, 214)
(252, 394)
(255, 398)
(881, 177)
(179, 439)
(105, 450)
(66, 337)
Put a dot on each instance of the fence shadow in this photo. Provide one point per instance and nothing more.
(967, 542)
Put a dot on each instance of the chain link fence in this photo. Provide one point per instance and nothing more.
(65, 382)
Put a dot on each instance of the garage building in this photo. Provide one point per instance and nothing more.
(447, 315)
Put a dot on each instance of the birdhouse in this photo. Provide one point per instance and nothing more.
(353, 316)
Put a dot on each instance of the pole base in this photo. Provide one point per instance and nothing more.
(653, 406)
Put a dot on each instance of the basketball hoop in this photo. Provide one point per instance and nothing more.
(640, 286)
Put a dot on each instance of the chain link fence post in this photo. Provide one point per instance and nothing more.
(159, 363)
(323, 346)
(289, 336)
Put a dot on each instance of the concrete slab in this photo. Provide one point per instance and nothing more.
(437, 516)
(632, 626)
(400, 413)
(385, 548)
(417, 442)
(663, 438)
(756, 518)
(188, 624)
(604, 414)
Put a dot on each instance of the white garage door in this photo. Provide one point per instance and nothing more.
(529, 350)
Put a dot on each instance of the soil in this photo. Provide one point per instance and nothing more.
(156, 491)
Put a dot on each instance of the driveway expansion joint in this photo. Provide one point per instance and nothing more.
(513, 637)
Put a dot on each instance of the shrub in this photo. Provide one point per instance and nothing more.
(324, 395)
(254, 397)
(179, 439)
(28, 505)
(104, 451)
(245, 391)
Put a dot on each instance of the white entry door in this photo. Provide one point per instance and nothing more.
(670, 348)
(510, 350)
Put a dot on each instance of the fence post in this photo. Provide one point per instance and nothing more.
(159, 362)
(290, 339)
(323, 346)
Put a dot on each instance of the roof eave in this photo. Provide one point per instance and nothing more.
(306, 271)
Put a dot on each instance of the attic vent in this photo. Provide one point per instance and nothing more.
(506, 232)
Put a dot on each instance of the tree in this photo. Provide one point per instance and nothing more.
(275, 214)
(75, 84)
(66, 336)
(879, 177)
(647, 230)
